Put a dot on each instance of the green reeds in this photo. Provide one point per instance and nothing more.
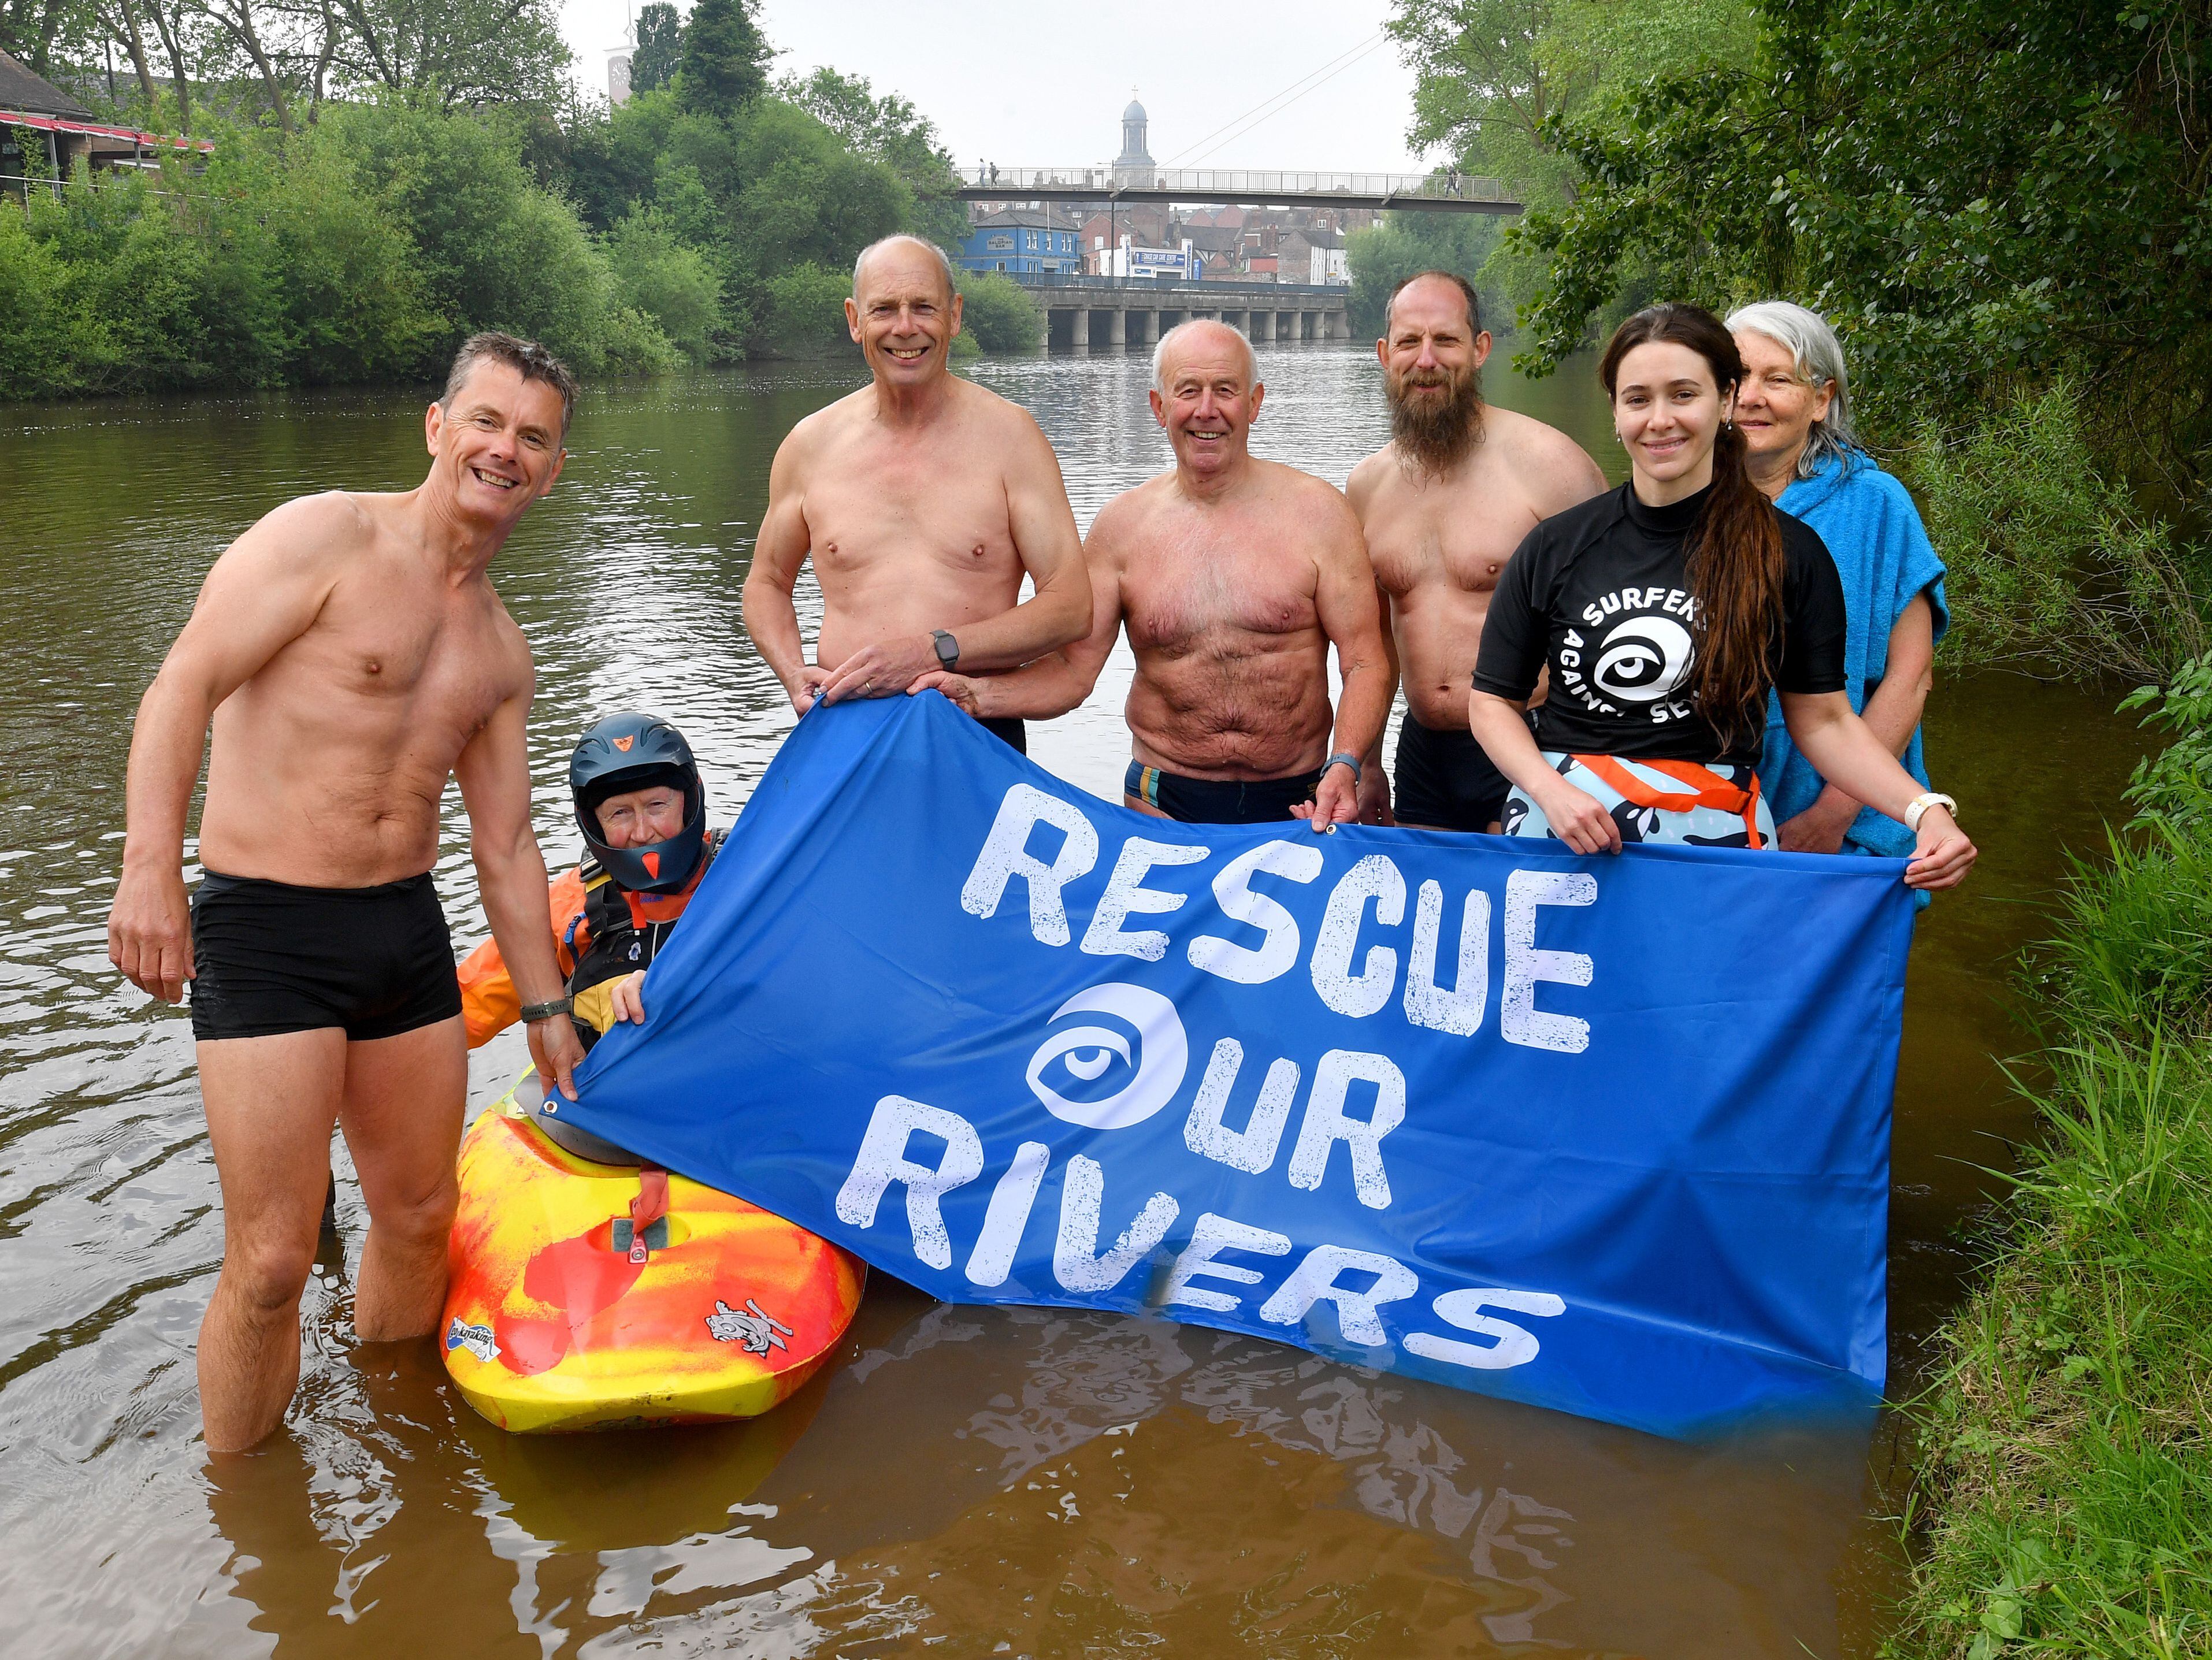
(2065, 1501)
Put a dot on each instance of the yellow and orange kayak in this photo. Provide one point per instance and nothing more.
(563, 1314)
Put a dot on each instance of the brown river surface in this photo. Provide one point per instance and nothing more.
(962, 1481)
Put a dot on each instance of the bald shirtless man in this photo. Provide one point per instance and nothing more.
(1235, 576)
(1443, 505)
(922, 499)
(352, 657)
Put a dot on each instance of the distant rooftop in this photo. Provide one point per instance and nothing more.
(25, 93)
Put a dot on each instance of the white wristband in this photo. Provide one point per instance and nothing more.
(1916, 809)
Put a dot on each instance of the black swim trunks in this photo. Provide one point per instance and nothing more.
(1444, 780)
(271, 958)
(1008, 729)
(1218, 801)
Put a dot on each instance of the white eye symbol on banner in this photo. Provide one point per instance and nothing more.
(1162, 1058)
(1643, 659)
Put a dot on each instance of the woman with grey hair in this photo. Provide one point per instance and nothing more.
(1794, 411)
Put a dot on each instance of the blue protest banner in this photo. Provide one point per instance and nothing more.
(1605, 1134)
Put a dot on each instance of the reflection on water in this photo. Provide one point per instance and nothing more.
(968, 1481)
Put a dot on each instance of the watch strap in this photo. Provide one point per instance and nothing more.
(1916, 808)
(1348, 758)
(547, 1011)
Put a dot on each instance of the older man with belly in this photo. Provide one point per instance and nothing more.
(351, 657)
(1234, 576)
(1443, 505)
(922, 500)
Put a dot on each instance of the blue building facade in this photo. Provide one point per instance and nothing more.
(1021, 240)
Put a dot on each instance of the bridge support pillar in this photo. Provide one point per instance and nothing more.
(1080, 327)
(1117, 327)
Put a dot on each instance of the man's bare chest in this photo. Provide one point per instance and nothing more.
(1194, 596)
(1461, 539)
(880, 502)
(422, 660)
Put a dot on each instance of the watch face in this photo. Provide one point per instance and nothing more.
(948, 650)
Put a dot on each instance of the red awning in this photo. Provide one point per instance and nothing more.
(148, 140)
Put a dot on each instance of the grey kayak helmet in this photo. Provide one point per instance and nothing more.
(632, 751)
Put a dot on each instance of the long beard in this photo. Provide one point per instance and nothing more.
(1435, 433)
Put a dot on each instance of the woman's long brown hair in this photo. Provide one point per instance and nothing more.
(1736, 564)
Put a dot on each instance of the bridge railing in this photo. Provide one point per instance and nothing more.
(1259, 185)
(1183, 287)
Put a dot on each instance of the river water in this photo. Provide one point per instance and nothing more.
(964, 1481)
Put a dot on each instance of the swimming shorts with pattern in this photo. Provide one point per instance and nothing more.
(1679, 801)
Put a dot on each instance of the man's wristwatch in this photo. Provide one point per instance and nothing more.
(948, 648)
(1349, 760)
(533, 1011)
(1916, 809)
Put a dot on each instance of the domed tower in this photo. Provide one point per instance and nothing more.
(1134, 164)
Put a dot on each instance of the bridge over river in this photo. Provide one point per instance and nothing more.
(1443, 191)
(1133, 311)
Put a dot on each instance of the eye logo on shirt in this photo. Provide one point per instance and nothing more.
(1642, 659)
(1638, 654)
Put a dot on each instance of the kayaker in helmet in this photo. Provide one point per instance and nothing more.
(643, 812)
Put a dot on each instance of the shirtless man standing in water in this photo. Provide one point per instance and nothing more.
(1235, 576)
(352, 657)
(1443, 506)
(922, 499)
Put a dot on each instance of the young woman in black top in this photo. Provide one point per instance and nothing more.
(1664, 611)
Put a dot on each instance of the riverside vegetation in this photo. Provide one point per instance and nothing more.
(2003, 206)
(332, 239)
(2065, 1501)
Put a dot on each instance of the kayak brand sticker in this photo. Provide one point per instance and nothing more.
(476, 1340)
(751, 1326)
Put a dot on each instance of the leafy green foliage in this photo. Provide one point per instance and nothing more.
(703, 219)
(1493, 78)
(890, 130)
(454, 52)
(2175, 784)
(1405, 243)
(804, 312)
(659, 47)
(2068, 1473)
(999, 314)
(2053, 565)
(725, 64)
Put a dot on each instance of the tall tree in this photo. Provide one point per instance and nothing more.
(725, 59)
(891, 130)
(659, 47)
(462, 51)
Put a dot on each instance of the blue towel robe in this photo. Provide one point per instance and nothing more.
(1883, 554)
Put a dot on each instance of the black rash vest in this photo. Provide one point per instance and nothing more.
(1599, 594)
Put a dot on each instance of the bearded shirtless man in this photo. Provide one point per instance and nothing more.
(1443, 505)
(352, 657)
(922, 499)
(1235, 576)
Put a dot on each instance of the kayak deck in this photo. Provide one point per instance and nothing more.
(553, 1323)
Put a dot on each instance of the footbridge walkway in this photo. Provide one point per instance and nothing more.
(1444, 190)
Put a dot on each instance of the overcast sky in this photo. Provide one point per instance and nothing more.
(1023, 83)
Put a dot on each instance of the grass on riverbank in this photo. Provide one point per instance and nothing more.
(2065, 1503)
